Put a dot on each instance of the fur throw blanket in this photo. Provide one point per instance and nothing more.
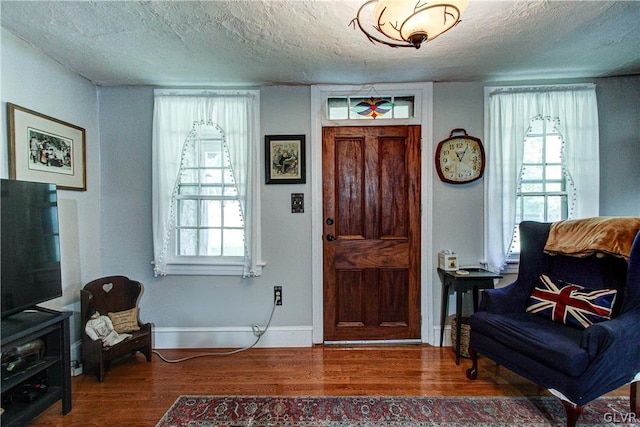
(584, 237)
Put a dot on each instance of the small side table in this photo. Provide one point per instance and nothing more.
(452, 281)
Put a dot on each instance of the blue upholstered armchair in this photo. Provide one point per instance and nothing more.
(576, 362)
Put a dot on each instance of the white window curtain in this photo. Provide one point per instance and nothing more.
(175, 115)
(509, 114)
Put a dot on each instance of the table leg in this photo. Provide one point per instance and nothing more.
(443, 309)
(475, 298)
(488, 284)
(458, 324)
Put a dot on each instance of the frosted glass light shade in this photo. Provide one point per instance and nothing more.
(416, 21)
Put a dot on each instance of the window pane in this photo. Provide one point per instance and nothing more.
(403, 107)
(533, 207)
(553, 187)
(338, 109)
(187, 242)
(533, 150)
(554, 172)
(211, 176)
(228, 177)
(211, 190)
(210, 242)
(233, 243)
(531, 187)
(230, 190)
(211, 213)
(189, 158)
(554, 149)
(212, 158)
(188, 190)
(370, 108)
(187, 213)
(189, 176)
(555, 208)
(532, 173)
(536, 126)
(232, 214)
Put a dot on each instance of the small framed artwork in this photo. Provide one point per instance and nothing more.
(44, 149)
(285, 159)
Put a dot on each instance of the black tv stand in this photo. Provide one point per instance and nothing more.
(35, 387)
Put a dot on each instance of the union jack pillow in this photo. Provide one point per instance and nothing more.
(571, 304)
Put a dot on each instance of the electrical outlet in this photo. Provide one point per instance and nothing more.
(277, 295)
(76, 368)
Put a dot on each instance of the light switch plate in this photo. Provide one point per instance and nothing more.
(297, 202)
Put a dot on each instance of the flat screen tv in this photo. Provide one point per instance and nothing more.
(30, 245)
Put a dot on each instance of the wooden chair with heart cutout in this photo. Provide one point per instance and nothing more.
(116, 297)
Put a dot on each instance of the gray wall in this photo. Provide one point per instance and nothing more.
(36, 82)
(109, 225)
(125, 115)
(619, 121)
(458, 217)
(194, 301)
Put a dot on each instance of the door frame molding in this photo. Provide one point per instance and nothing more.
(423, 93)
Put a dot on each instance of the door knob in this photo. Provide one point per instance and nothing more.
(331, 237)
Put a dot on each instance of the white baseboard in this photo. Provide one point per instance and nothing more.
(76, 349)
(238, 337)
(446, 341)
(231, 337)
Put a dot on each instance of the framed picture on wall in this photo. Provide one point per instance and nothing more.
(285, 159)
(44, 149)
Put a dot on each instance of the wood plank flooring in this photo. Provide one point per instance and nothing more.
(138, 393)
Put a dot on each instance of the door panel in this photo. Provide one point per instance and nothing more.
(350, 194)
(393, 190)
(371, 207)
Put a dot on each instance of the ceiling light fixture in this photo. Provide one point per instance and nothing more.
(408, 23)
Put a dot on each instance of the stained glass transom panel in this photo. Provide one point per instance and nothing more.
(370, 107)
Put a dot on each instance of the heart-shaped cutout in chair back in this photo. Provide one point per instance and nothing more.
(107, 287)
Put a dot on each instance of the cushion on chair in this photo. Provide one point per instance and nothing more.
(571, 304)
(549, 342)
(125, 321)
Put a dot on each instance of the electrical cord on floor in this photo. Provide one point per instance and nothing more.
(256, 331)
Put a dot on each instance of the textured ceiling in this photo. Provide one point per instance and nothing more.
(190, 43)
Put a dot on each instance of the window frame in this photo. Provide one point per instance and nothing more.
(198, 166)
(352, 100)
(565, 181)
(380, 91)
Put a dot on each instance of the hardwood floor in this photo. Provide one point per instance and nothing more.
(138, 393)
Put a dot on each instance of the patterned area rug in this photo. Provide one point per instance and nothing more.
(388, 411)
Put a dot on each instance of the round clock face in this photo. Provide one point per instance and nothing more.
(460, 159)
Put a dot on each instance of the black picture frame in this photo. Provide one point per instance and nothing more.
(45, 149)
(285, 160)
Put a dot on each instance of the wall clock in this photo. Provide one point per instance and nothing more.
(460, 158)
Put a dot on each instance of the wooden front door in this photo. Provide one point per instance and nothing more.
(371, 224)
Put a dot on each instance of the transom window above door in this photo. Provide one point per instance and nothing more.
(370, 107)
